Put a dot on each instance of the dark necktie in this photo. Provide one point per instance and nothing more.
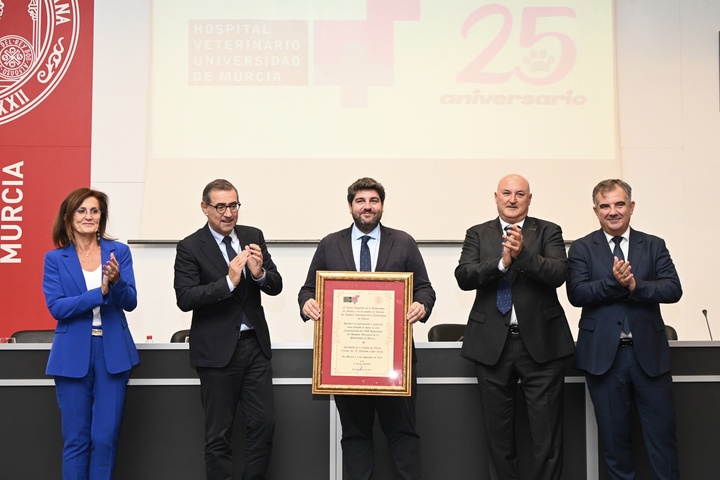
(365, 261)
(617, 251)
(504, 290)
(231, 253)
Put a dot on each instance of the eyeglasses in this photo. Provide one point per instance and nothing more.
(221, 207)
(82, 211)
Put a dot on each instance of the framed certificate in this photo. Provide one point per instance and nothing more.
(363, 342)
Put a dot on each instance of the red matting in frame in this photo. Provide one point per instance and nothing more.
(46, 62)
(398, 380)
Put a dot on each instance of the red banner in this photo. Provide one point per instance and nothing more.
(46, 50)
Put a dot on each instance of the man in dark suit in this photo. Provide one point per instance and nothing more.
(619, 277)
(517, 328)
(229, 337)
(386, 250)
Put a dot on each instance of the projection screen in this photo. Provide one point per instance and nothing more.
(293, 100)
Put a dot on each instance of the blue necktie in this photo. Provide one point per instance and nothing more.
(504, 291)
(365, 261)
(617, 251)
(231, 253)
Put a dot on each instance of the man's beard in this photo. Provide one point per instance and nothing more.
(367, 227)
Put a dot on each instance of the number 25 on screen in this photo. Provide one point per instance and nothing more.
(476, 70)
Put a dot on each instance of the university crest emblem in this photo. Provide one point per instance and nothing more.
(36, 53)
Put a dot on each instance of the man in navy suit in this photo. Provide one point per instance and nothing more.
(619, 277)
(517, 328)
(220, 272)
(389, 250)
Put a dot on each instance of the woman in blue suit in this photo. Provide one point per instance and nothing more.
(88, 283)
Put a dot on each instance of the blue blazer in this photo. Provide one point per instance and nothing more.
(605, 303)
(71, 304)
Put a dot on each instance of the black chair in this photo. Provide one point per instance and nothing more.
(180, 336)
(670, 332)
(446, 332)
(34, 336)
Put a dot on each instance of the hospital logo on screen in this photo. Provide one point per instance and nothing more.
(37, 44)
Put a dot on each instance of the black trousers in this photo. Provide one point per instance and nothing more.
(246, 380)
(397, 420)
(542, 384)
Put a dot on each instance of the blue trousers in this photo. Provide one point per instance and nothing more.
(91, 409)
(613, 395)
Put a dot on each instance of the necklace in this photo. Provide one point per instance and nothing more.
(89, 254)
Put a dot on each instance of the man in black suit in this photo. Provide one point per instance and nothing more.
(517, 328)
(620, 276)
(389, 251)
(229, 337)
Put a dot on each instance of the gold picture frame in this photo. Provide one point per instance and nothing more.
(363, 342)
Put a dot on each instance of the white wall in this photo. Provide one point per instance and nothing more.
(669, 121)
(667, 54)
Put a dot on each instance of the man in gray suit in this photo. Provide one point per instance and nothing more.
(517, 328)
(369, 246)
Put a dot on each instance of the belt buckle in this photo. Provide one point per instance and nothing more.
(96, 332)
(626, 342)
(514, 330)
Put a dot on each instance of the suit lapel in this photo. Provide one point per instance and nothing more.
(529, 230)
(244, 240)
(73, 267)
(345, 247)
(491, 240)
(636, 248)
(105, 251)
(210, 248)
(602, 250)
(493, 236)
(386, 243)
